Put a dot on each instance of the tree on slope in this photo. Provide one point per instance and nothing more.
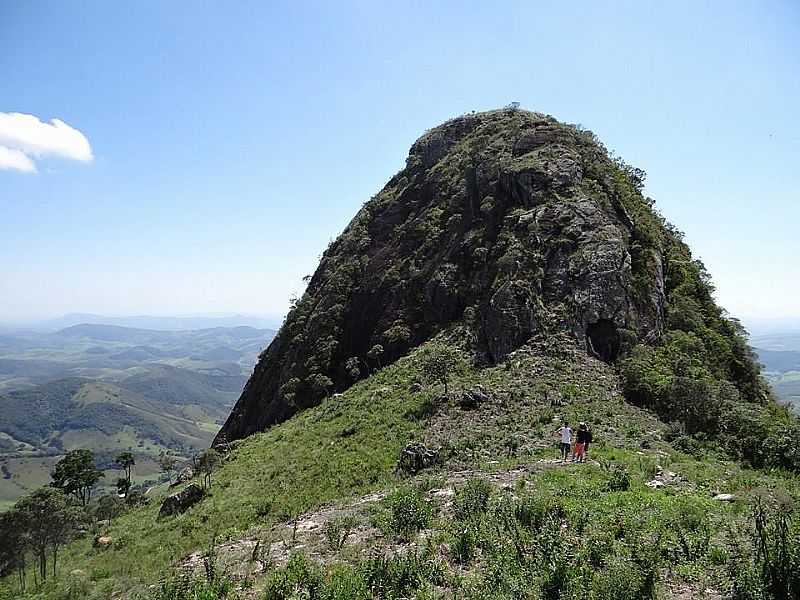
(438, 363)
(48, 521)
(207, 463)
(167, 462)
(14, 545)
(76, 475)
(125, 462)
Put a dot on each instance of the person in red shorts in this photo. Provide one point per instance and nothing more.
(582, 439)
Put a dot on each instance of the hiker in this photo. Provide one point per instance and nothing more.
(582, 439)
(566, 440)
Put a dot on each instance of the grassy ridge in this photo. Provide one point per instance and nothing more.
(303, 463)
(349, 445)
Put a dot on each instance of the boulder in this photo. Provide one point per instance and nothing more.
(724, 497)
(182, 501)
(102, 541)
(185, 474)
(415, 387)
(415, 456)
(473, 397)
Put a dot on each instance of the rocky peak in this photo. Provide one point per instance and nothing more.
(507, 221)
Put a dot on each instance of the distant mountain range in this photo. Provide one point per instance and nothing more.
(111, 388)
(102, 351)
(161, 323)
(779, 352)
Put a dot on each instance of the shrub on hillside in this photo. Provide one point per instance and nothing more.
(299, 579)
(409, 512)
(620, 480)
(185, 588)
(472, 499)
(338, 530)
(770, 568)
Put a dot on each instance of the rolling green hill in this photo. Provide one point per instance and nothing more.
(782, 368)
(280, 492)
(41, 423)
(110, 388)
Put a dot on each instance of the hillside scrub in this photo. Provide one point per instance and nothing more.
(349, 445)
(557, 535)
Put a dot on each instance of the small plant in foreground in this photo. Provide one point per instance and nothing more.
(472, 499)
(338, 530)
(409, 512)
(620, 479)
(465, 542)
(772, 571)
(193, 589)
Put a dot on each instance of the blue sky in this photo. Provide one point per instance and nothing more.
(231, 141)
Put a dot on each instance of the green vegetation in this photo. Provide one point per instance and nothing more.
(39, 524)
(496, 287)
(593, 527)
(76, 475)
(125, 462)
(408, 512)
(439, 362)
(302, 464)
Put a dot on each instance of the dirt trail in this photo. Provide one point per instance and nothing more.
(265, 548)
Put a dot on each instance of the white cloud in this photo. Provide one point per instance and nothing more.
(24, 138)
(16, 160)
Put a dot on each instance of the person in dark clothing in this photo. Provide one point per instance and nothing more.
(582, 439)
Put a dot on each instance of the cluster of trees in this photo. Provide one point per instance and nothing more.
(701, 374)
(39, 524)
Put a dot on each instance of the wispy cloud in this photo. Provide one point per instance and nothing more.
(24, 138)
(16, 160)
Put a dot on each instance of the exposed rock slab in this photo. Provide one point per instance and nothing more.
(182, 501)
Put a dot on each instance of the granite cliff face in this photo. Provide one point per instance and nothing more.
(508, 221)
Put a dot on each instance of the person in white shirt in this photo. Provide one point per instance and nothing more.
(566, 440)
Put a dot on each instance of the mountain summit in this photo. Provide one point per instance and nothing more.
(509, 222)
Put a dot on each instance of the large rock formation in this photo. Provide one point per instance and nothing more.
(507, 221)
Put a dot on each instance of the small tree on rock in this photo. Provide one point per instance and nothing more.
(353, 367)
(76, 475)
(320, 384)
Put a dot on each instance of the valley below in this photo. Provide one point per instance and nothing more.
(780, 354)
(110, 389)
